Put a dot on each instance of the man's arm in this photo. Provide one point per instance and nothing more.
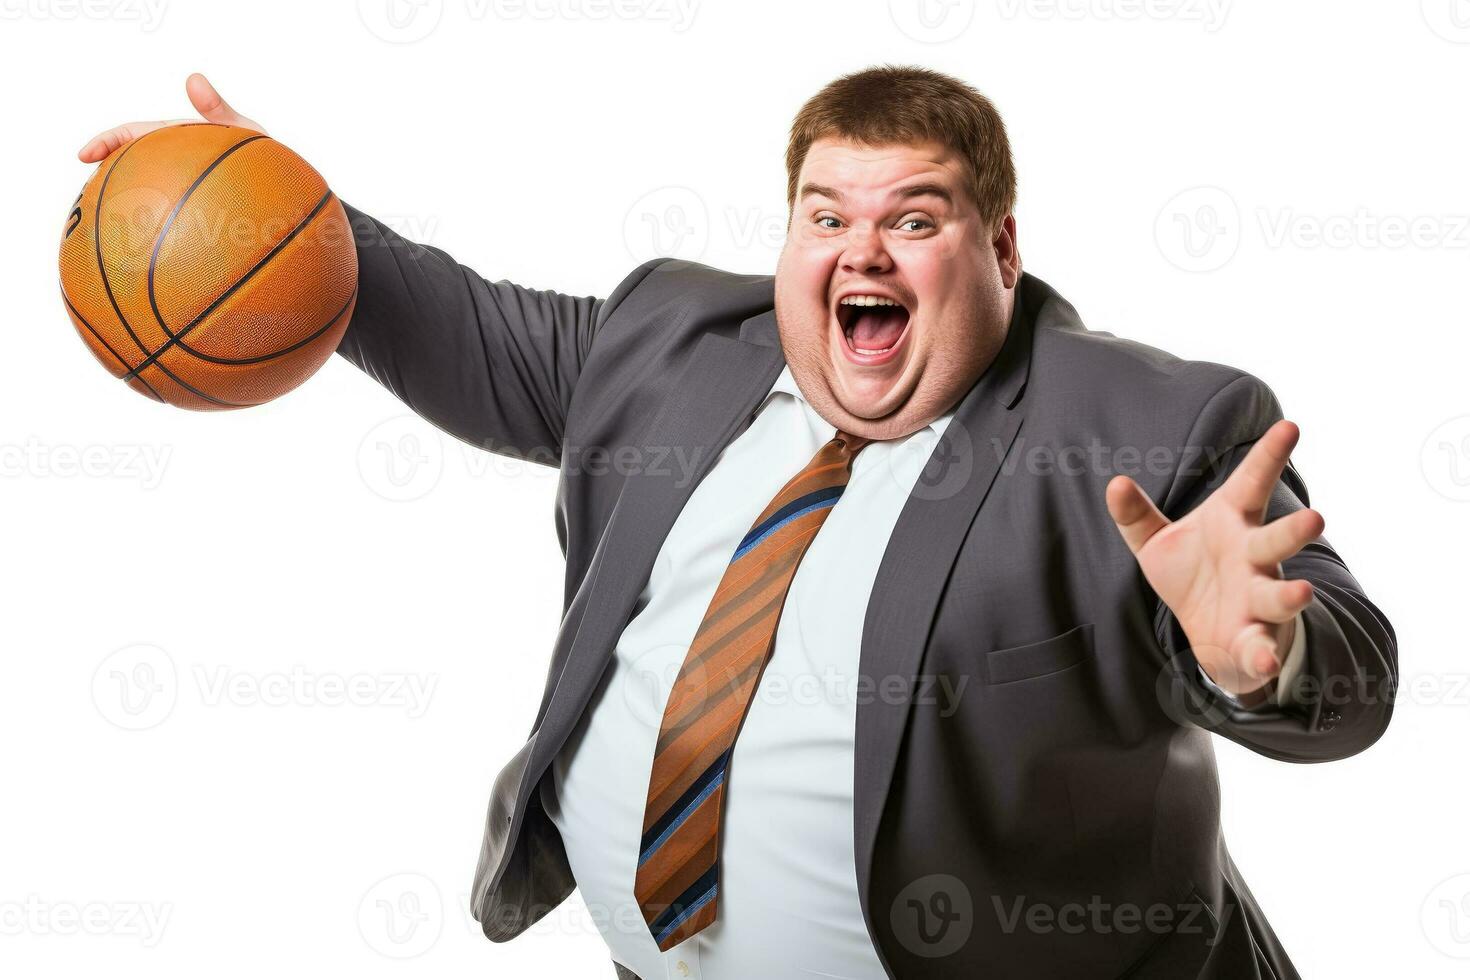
(1341, 699)
(492, 363)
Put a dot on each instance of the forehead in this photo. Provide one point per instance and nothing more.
(858, 170)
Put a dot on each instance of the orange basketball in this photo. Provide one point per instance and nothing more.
(208, 266)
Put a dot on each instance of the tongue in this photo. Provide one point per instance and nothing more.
(877, 327)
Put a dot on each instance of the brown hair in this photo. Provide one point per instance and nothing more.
(893, 104)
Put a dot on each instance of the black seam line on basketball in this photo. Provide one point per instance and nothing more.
(97, 236)
(284, 350)
(178, 337)
(103, 341)
(97, 242)
(190, 388)
(169, 222)
(107, 285)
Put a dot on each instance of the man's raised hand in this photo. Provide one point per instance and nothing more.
(1218, 568)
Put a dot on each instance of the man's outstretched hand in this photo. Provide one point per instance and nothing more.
(207, 102)
(1218, 568)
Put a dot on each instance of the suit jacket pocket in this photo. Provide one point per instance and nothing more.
(1040, 658)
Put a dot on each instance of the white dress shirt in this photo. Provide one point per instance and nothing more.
(788, 898)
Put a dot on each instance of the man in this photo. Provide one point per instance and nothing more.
(963, 730)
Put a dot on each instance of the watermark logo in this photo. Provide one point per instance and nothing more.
(407, 21)
(1445, 917)
(147, 14)
(933, 916)
(400, 460)
(136, 687)
(1186, 699)
(667, 221)
(650, 679)
(299, 687)
(1445, 459)
(932, 21)
(1362, 229)
(400, 21)
(1198, 230)
(129, 223)
(1450, 19)
(401, 916)
(1210, 14)
(1100, 917)
(142, 463)
(35, 916)
(950, 466)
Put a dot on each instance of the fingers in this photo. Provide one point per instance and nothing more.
(1273, 543)
(99, 146)
(212, 106)
(1250, 486)
(206, 101)
(1134, 513)
(1258, 658)
(1251, 663)
(1275, 601)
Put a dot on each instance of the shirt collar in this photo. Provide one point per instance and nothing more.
(786, 382)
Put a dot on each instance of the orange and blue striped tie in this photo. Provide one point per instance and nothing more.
(678, 862)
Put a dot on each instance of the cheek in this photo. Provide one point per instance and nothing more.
(933, 293)
(945, 283)
(805, 275)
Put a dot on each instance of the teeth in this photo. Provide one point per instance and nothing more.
(867, 300)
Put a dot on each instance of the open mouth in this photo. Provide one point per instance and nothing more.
(873, 326)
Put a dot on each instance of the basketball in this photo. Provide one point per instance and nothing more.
(208, 267)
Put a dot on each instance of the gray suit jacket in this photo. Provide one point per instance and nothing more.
(1057, 813)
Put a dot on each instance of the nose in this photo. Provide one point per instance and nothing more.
(865, 254)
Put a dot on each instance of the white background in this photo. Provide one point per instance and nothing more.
(1231, 181)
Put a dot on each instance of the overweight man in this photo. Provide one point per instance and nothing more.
(900, 607)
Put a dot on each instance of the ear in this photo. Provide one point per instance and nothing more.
(1007, 255)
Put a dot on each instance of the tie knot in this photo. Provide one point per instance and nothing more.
(850, 443)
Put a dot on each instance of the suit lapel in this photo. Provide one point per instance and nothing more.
(916, 565)
(703, 412)
(719, 390)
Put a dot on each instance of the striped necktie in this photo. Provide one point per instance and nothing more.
(678, 860)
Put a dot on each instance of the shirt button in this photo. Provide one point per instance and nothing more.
(682, 963)
(684, 967)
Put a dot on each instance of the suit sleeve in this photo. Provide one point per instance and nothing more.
(491, 363)
(1342, 696)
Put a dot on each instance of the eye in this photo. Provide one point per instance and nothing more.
(924, 224)
(836, 222)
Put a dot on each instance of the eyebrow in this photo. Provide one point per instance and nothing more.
(915, 190)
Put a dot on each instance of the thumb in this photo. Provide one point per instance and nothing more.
(1134, 513)
(212, 106)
